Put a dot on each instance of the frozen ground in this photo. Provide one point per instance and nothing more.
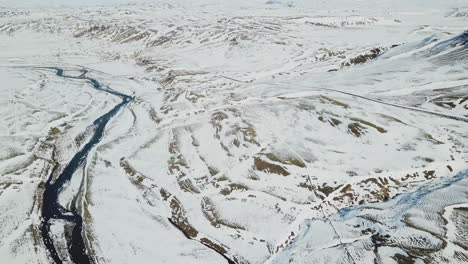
(255, 132)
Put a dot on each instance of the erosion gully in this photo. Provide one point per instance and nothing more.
(52, 210)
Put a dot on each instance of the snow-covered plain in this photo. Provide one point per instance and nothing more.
(258, 131)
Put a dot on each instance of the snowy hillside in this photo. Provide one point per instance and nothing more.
(234, 131)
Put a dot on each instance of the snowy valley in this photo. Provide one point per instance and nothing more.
(234, 131)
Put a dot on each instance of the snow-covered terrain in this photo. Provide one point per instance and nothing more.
(244, 131)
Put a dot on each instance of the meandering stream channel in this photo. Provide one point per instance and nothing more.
(52, 210)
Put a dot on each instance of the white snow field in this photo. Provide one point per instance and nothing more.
(215, 131)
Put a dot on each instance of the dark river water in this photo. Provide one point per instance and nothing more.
(51, 209)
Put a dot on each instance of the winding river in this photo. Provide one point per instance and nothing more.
(52, 210)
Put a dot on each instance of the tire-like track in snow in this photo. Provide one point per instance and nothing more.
(453, 117)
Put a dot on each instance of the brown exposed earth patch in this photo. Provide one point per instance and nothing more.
(262, 165)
